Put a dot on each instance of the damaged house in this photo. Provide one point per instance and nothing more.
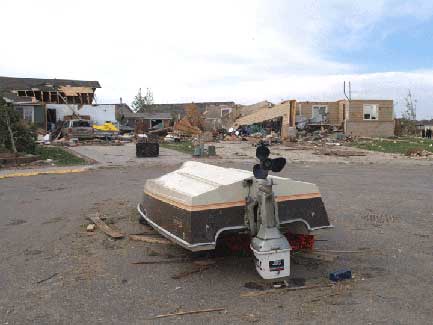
(358, 118)
(30, 96)
(281, 116)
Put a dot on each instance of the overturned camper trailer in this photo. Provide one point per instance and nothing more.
(197, 203)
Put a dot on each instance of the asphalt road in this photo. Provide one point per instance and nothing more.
(53, 272)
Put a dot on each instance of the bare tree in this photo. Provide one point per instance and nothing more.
(410, 107)
(148, 98)
(409, 114)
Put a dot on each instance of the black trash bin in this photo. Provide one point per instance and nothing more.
(147, 149)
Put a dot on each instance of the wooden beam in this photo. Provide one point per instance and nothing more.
(104, 228)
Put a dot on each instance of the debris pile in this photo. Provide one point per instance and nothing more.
(419, 152)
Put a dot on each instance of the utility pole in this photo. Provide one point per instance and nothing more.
(349, 98)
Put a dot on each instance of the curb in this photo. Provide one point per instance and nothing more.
(44, 172)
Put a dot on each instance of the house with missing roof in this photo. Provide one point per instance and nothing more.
(358, 118)
(31, 97)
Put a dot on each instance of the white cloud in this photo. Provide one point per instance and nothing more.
(205, 50)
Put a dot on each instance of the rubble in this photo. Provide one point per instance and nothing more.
(418, 152)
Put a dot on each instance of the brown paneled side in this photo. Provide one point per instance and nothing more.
(305, 109)
(386, 112)
(342, 110)
(374, 129)
(333, 113)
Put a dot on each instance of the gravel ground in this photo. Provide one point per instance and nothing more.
(54, 272)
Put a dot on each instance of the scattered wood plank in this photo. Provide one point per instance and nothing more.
(180, 313)
(272, 291)
(49, 278)
(104, 228)
(340, 153)
(150, 240)
(170, 261)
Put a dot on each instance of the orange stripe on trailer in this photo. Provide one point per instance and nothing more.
(225, 205)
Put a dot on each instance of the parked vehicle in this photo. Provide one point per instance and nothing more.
(78, 128)
(107, 131)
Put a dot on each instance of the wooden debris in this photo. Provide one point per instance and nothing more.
(49, 278)
(151, 240)
(272, 291)
(168, 261)
(340, 153)
(180, 313)
(104, 228)
(90, 227)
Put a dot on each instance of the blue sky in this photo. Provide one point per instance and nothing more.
(407, 46)
(244, 50)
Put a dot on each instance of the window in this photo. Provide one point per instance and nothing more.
(225, 111)
(81, 123)
(319, 113)
(370, 112)
(28, 114)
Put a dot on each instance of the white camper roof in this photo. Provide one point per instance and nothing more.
(196, 183)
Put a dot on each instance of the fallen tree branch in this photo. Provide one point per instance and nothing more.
(189, 312)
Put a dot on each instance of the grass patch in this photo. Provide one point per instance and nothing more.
(60, 156)
(185, 147)
(400, 145)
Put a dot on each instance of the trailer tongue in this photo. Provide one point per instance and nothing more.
(197, 204)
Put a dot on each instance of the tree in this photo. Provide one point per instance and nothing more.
(8, 117)
(409, 114)
(143, 103)
(15, 135)
(410, 111)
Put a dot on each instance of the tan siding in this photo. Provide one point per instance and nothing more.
(333, 113)
(307, 107)
(370, 128)
(385, 109)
